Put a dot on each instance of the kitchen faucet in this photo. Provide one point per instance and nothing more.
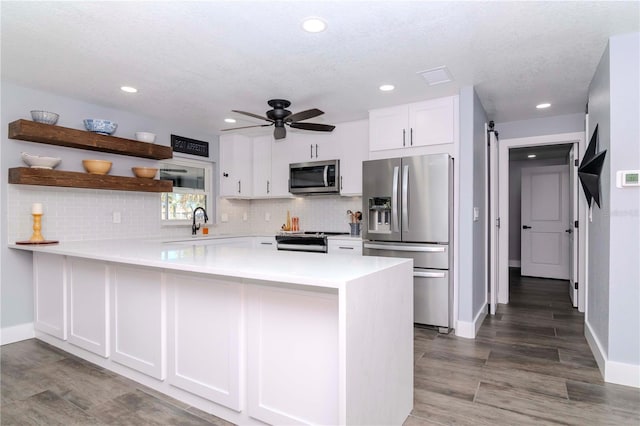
(194, 228)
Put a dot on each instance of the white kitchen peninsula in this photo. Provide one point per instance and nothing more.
(250, 335)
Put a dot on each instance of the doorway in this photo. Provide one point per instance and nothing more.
(503, 187)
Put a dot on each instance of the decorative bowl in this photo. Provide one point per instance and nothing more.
(144, 172)
(97, 167)
(146, 137)
(37, 162)
(45, 117)
(103, 127)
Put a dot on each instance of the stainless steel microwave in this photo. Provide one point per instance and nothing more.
(316, 177)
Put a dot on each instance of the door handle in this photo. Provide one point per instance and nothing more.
(405, 198)
(526, 227)
(568, 231)
(239, 187)
(268, 187)
(411, 136)
(394, 201)
(311, 146)
(404, 133)
(316, 150)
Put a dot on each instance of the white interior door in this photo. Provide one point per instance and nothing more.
(545, 222)
(492, 225)
(573, 231)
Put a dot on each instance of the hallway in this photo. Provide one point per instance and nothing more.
(530, 364)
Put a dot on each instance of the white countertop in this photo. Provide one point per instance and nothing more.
(313, 269)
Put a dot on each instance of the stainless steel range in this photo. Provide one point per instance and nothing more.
(315, 242)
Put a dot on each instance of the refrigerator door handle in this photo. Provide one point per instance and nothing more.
(404, 248)
(405, 198)
(394, 200)
(429, 274)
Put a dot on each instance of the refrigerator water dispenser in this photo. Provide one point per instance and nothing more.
(379, 214)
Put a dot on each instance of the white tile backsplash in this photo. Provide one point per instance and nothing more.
(72, 214)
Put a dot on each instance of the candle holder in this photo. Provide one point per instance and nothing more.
(37, 227)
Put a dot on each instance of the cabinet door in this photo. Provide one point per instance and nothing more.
(292, 341)
(262, 184)
(50, 289)
(236, 166)
(88, 303)
(432, 122)
(205, 337)
(346, 246)
(388, 128)
(281, 157)
(353, 140)
(137, 320)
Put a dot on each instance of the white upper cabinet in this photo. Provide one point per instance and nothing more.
(418, 124)
(352, 139)
(259, 167)
(262, 182)
(236, 166)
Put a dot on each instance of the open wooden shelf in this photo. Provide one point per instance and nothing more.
(46, 177)
(73, 138)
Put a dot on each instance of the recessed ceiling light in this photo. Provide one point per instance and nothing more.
(229, 120)
(387, 87)
(531, 156)
(314, 25)
(543, 106)
(128, 89)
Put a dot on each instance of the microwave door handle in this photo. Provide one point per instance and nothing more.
(326, 176)
(405, 197)
(394, 200)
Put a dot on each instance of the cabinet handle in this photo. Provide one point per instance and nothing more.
(346, 248)
(239, 187)
(311, 146)
(411, 137)
(341, 183)
(404, 133)
(266, 244)
(316, 150)
(267, 187)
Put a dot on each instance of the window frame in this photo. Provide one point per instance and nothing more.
(208, 191)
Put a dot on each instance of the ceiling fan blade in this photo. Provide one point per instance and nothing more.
(304, 115)
(247, 127)
(250, 114)
(313, 126)
(279, 133)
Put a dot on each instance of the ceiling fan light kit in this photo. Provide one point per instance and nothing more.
(279, 115)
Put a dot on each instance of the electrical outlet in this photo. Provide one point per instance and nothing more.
(117, 217)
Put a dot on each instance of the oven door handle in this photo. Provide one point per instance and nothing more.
(404, 248)
(301, 247)
(429, 274)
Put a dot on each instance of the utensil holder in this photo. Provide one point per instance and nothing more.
(355, 229)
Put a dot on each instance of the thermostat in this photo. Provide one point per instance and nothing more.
(627, 178)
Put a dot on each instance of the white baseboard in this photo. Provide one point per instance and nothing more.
(17, 333)
(469, 330)
(514, 263)
(612, 371)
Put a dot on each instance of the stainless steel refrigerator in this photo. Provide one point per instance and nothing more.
(408, 212)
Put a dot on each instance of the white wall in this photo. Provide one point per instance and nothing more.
(70, 213)
(471, 257)
(557, 124)
(613, 298)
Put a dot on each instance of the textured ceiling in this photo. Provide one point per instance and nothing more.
(195, 61)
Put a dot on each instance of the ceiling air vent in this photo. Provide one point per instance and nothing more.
(437, 75)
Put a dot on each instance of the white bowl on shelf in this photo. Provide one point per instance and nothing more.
(146, 137)
(38, 162)
(45, 117)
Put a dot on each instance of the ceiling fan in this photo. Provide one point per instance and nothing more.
(279, 116)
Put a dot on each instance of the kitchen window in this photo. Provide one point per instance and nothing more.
(191, 188)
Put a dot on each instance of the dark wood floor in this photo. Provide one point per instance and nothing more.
(530, 365)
